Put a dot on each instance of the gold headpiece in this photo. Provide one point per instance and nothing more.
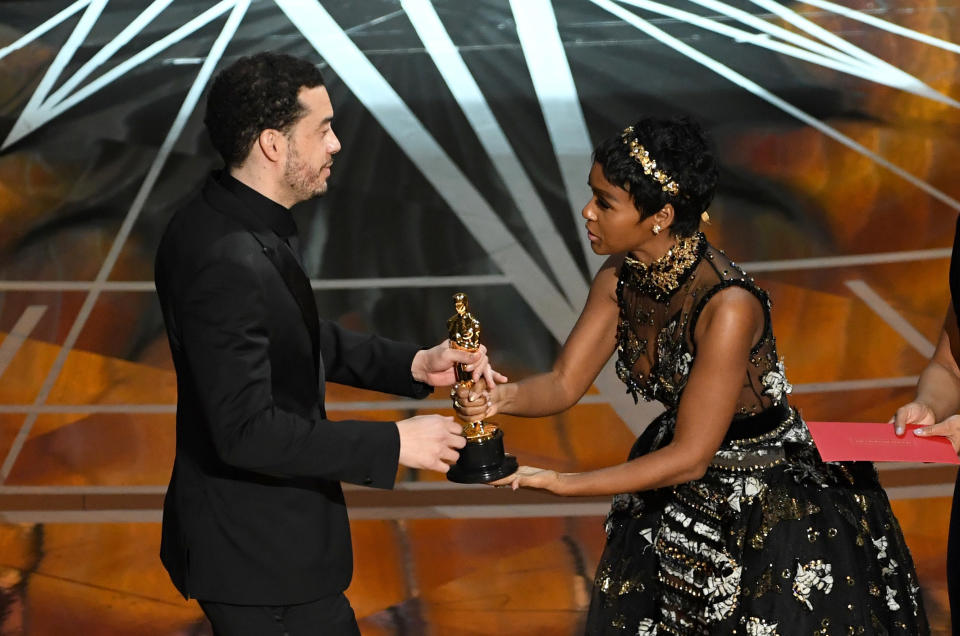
(638, 152)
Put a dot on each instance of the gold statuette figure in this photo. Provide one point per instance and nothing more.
(482, 459)
(464, 332)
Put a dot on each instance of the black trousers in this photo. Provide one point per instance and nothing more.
(328, 616)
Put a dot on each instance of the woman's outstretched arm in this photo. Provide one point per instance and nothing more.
(729, 326)
(588, 347)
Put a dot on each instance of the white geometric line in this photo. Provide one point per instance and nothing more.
(104, 54)
(421, 405)
(402, 486)
(19, 334)
(502, 156)
(33, 114)
(83, 490)
(383, 102)
(316, 283)
(160, 489)
(890, 316)
(27, 38)
(796, 264)
(64, 285)
(515, 511)
(409, 281)
(179, 122)
(819, 32)
(768, 29)
(886, 467)
(840, 63)
(825, 262)
(885, 25)
(751, 86)
(81, 516)
(512, 511)
(118, 71)
(855, 385)
(84, 409)
(917, 492)
(358, 405)
(636, 416)
(560, 104)
(907, 82)
(379, 20)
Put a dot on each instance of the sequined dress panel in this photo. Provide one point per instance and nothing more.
(770, 541)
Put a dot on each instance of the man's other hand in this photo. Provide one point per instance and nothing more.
(430, 442)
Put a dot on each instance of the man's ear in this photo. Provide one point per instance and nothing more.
(272, 144)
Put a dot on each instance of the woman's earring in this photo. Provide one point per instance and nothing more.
(656, 229)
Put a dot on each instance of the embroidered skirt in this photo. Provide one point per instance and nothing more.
(770, 541)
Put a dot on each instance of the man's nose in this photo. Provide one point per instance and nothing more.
(334, 143)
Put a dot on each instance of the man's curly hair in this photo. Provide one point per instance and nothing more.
(254, 94)
(681, 149)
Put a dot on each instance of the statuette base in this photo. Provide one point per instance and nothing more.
(482, 461)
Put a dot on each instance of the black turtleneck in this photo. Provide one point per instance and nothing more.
(277, 217)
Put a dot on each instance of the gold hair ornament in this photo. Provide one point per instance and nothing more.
(638, 152)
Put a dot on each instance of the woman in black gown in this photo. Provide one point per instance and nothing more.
(724, 520)
(935, 407)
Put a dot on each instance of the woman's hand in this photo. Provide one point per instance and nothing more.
(530, 477)
(949, 428)
(477, 402)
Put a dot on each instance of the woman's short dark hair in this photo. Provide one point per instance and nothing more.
(254, 94)
(681, 150)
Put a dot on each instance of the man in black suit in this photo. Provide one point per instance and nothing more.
(254, 522)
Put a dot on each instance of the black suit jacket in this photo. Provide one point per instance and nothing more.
(254, 513)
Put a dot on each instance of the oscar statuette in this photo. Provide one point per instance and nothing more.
(482, 460)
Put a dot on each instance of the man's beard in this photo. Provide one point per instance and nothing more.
(304, 182)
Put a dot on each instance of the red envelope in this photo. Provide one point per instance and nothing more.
(859, 441)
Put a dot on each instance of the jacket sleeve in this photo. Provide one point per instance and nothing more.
(368, 361)
(221, 318)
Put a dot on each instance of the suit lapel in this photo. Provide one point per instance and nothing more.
(279, 253)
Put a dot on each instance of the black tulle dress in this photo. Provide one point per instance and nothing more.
(771, 540)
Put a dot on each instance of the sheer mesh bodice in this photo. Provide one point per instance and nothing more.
(660, 304)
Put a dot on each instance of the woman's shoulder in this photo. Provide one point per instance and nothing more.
(724, 289)
(718, 269)
(609, 273)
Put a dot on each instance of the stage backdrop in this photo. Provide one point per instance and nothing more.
(467, 129)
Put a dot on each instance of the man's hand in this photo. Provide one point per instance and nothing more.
(435, 366)
(430, 442)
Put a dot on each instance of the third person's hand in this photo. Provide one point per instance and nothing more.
(949, 428)
(914, 413)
